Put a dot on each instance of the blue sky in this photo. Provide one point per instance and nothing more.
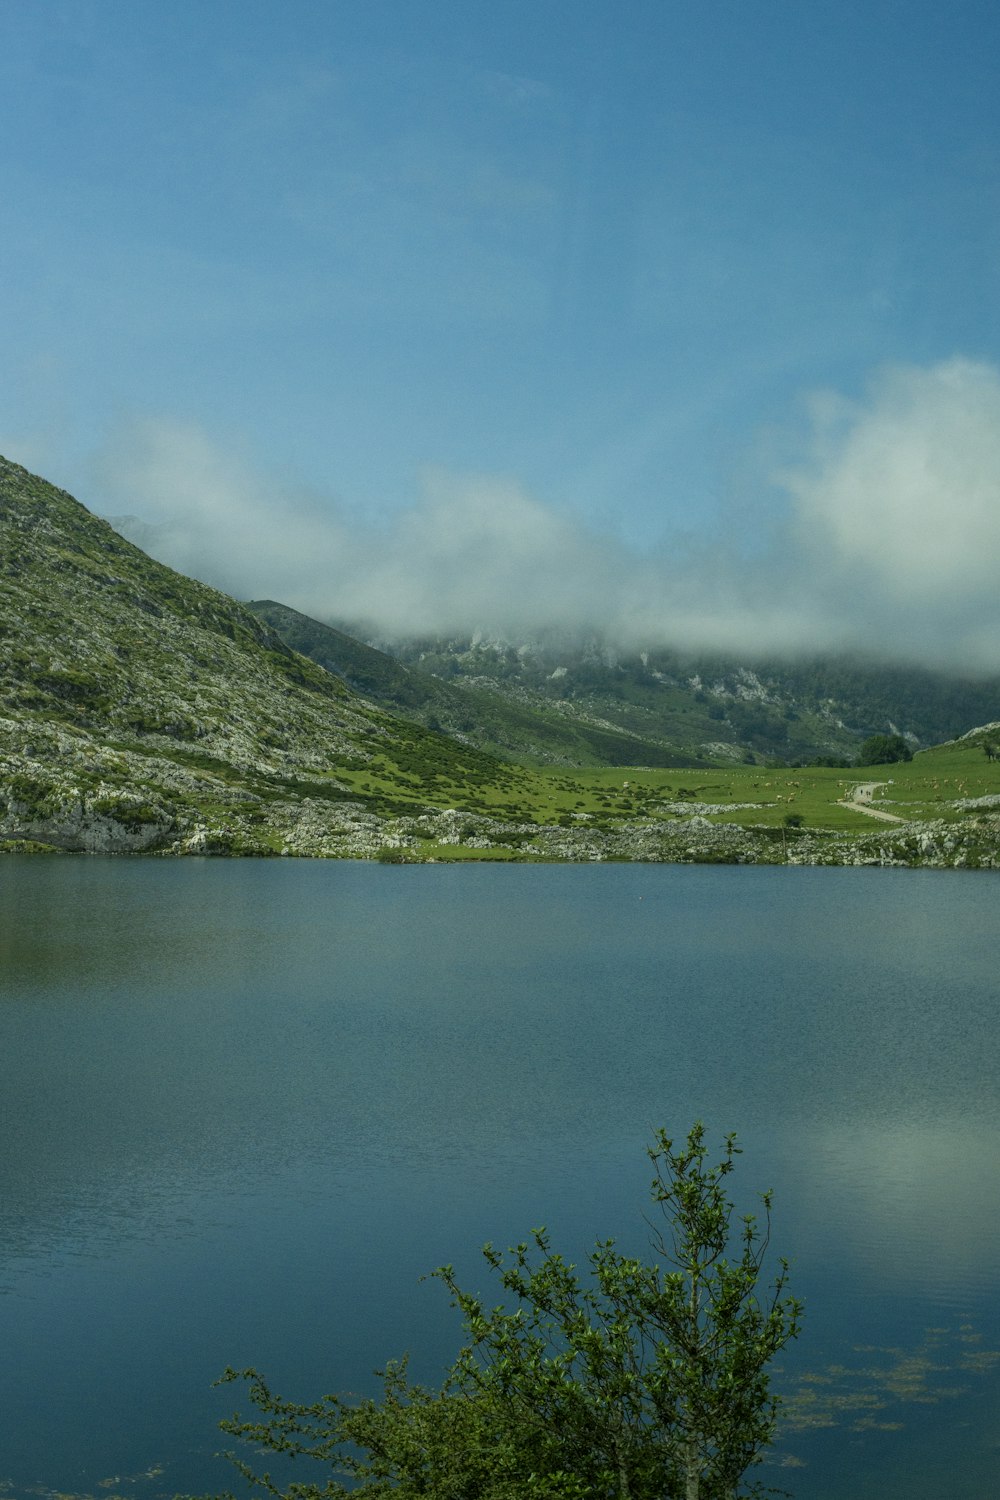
(679, 318)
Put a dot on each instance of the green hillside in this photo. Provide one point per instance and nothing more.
(526, 727)
(141, 711)
(713, 709)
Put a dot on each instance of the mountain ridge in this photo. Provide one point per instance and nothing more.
(467, 710)
(555, 697)
(144, 712)
(143, 709)
(668, 708)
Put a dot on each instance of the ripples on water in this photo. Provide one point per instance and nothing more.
(248, 1105)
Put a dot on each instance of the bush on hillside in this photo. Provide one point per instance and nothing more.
(883, 750)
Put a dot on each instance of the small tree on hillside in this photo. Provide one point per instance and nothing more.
(642, 1382)
(883, 750)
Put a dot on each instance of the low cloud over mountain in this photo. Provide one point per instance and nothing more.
(887, 538)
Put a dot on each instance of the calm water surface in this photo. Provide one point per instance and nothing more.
(247, 1105)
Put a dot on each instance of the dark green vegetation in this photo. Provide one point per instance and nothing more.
(142, 711)
(524, 725)
(642, 1382)
(697, 708)
(884, 750)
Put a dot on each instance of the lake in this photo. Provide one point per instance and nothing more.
(248, 1105)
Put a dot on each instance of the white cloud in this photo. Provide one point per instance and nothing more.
(891, 544)
(907, 486)
(215, 517)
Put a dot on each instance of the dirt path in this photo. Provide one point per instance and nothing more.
(860, 800)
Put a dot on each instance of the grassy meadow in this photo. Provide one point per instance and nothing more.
(928, 787)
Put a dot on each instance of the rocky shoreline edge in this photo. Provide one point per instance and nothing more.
(67, 793)
(345, 830)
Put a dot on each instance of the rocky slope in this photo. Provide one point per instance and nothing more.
(707, 708)
(522, 725)
(141, 711)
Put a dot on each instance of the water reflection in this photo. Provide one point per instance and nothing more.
(269, 1096)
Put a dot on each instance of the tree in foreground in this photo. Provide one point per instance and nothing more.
(640, 1382)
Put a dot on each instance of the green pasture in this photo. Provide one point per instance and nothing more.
(930, 784)
(924, 788)
(745, 795)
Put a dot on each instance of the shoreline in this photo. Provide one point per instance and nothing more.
(348, 832)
